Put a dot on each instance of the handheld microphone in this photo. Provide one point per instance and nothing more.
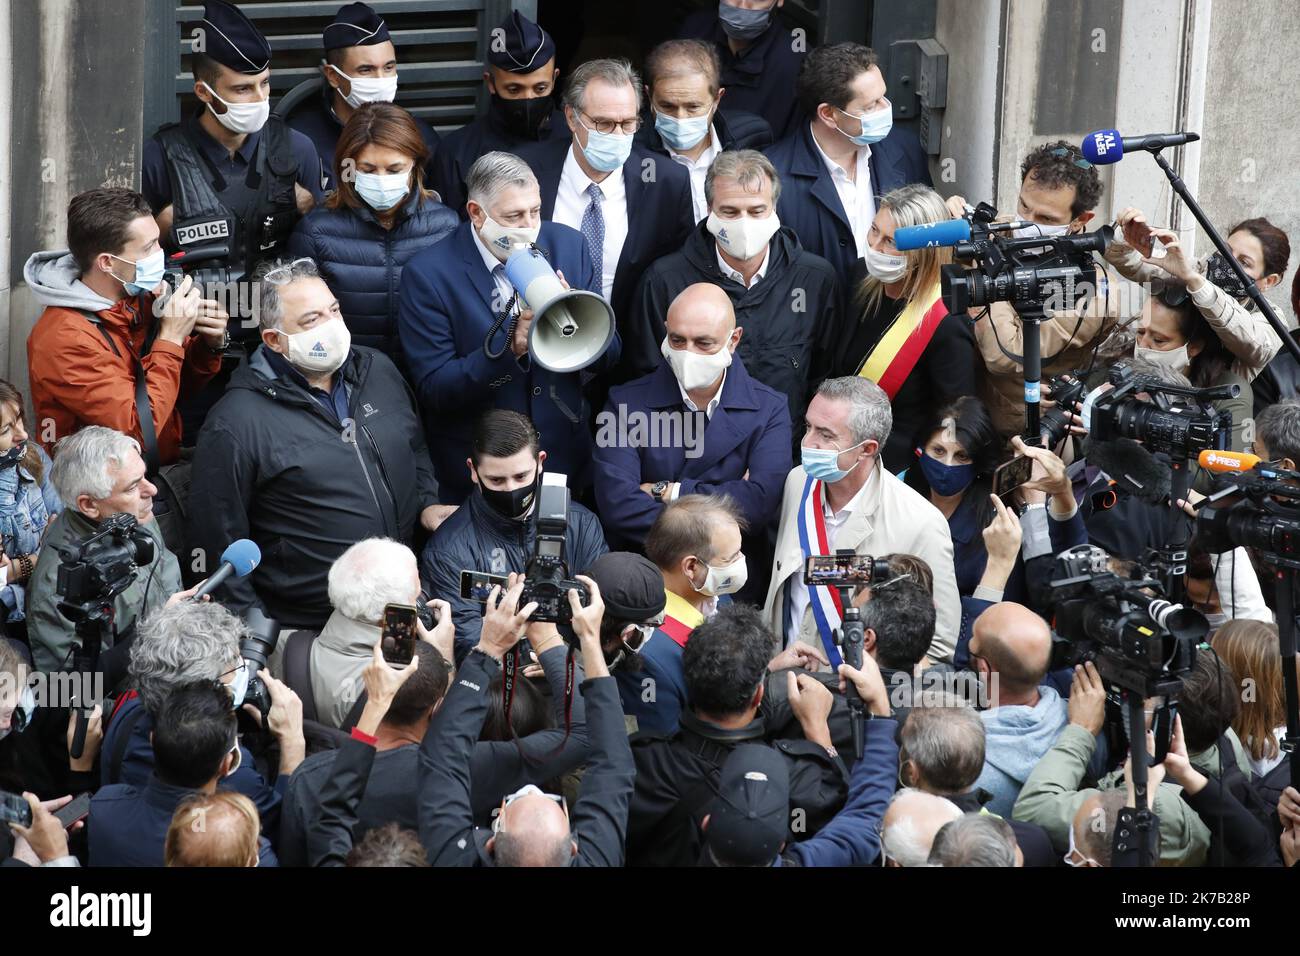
(1108, 146)
(239, 559)
(1230, 462)
(949, 232)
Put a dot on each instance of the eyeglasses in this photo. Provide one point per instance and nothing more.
(1060, 152)
(242, 665)
(530, 790)
(627, 127)
(287, 270)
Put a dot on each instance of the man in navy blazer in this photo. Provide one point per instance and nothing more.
(696, 425)
(632, 205)
(452, 295)
(843, 156)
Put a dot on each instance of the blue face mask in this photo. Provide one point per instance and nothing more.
(823, 463)
(382, 191)
(148, 273)
(606, 151)
(740, 24)
(946, 480)
(682, 134)
(875, 126)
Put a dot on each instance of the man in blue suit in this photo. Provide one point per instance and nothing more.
(696, 425)
(464, 356)
(848, 152)
(632, 205)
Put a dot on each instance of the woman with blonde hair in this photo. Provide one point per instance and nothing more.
(905, 340)
(1250, 649)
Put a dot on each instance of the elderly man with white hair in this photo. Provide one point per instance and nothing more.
(365, 579)
(98, 473)
(464, 329)
(911, 823)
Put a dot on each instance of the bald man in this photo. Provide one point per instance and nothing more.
(698, 424)
(910, 824)
(213, 829)
(1011, 648)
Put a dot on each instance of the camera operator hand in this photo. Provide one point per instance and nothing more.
(45, 839)
(94, 738)
(519, 344)
(1178, 767)
(180, 312)
(811, 701)
(799, 654)
(956, 206)
(1087, 707)
(211, 323)
(285, 721)
(586, 624)
(443, 635)
(870, 684)
(502, 626)
(1048, 476)
(383, 680)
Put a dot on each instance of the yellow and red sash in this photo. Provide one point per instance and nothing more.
(900, 348)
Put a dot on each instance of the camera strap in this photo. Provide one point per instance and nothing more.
(509, 670)
(143, 410)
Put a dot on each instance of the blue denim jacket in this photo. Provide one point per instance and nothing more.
(26, 507)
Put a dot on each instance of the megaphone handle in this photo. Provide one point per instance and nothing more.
(510, 331)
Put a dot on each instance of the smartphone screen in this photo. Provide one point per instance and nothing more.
(78, 808)
(399, 634)
(831, 567)
(477, 585)
(1010, 475)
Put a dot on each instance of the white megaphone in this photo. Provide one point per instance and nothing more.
(571, 327)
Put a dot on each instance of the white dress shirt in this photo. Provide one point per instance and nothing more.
(490, 262)
(571, 201)
(834, 521)
(855, 194)
(735, 276)
(712, 407)
(697, 169)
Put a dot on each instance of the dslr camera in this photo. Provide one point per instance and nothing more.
(546, 575)
(256, 648)
(100, 567)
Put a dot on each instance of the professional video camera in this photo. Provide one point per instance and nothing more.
(100, 567)
(1181, 422)
(1257, 509)
(1139, 642)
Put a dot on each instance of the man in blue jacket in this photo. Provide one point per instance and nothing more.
(464, 330)
(699, 424)
(848, 152)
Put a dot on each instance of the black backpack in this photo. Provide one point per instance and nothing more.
(296, 663)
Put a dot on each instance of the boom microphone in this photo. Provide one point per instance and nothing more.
(949, 232)
(1230, 462)
(1108, 146)
(239, 559)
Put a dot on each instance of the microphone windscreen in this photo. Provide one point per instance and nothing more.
(244, 555)
(1226, 461)
(946, 233)
(1102, 147)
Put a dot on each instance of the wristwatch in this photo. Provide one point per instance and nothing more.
(659, 489)
(225, 342)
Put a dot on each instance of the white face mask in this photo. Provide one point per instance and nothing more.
(241, 117)
(725, 580)
(1035, 231)
(886, 267)
(743, 238)
(1176, 359)
(321, 350)
(367, 90)
(502, 240)
(693, 369)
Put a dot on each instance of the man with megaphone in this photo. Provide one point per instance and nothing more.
(488, 319)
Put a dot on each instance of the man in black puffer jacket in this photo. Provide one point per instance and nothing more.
(315, 446)
(786, 299)
(494, 530)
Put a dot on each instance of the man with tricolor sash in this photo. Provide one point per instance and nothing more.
(840, 497)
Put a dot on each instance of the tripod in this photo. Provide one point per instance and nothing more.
(85, 660)
(1285, 569)
(851, 642)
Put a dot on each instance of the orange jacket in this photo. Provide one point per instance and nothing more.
(77, 380)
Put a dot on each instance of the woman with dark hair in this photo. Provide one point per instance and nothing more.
(378, 217)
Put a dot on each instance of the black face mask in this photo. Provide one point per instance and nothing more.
(523, 118)
(512, 504)
(1220, 273)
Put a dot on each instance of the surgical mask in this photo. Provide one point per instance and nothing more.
(502, 240)
(682, 134)
(241, 117)
(606, 151)
(745, 237)
(1035, 231)
(367, 90)
(523, 118)
(1175, 359)
(239, 686)
(322, 349)
(725, 580)
(946, 480)
(875, 126)
(741, 24)
(382, 191)
(1218, 271)
(1069, 857)
(238, 761)
(148, 273)
(823, 463)
(694, 370)
(514, 504)
(885, 267)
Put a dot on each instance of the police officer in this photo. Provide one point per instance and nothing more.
(228, 184)
(360, 67)
(521, 78)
